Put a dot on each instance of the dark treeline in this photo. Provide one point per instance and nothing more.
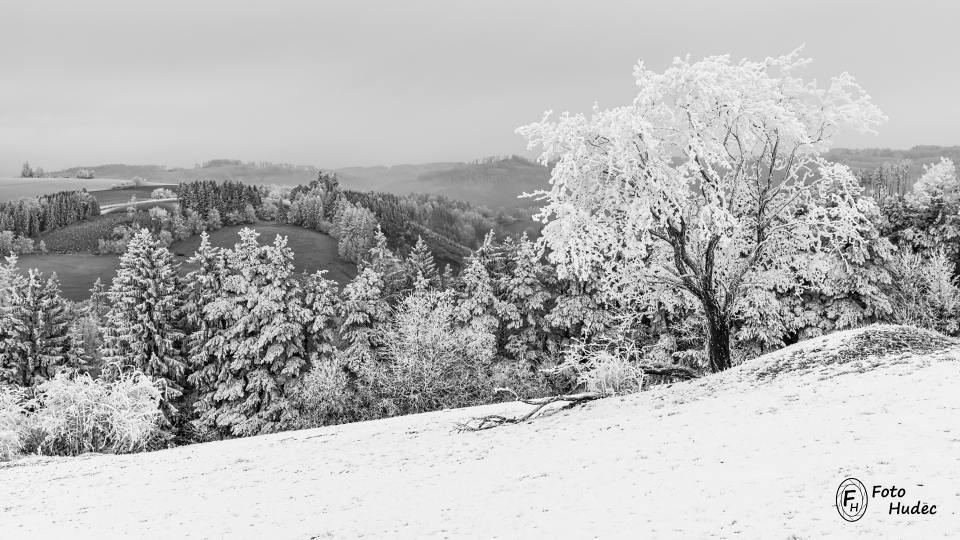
(31, 216)
(228, 197)
(449, 227)
(887, 180)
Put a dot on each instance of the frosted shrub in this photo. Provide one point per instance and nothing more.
(324, 397)
(81, 414)
(12, 416)
(162, 193)
(609, 374)
(433, 363)
(604, 368)
(924, 292)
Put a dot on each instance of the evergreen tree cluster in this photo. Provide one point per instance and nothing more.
(31, 172)
(228, 198)
(29, 217)
(34, 334)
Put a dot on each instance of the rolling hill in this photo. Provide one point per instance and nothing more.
(756, 452)
(871, 158)
(492, 182)
(12, 189)
(77, 271)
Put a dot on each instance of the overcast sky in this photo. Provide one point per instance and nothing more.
(340, 83)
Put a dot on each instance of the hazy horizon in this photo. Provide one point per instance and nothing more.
(338, 84)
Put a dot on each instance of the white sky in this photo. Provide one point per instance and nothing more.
(340, 83)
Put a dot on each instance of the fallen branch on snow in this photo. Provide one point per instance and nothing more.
(494, 420)
(668, 372)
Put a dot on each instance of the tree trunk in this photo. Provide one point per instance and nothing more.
(718, 337)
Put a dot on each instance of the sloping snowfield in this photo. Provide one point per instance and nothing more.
(757, 452)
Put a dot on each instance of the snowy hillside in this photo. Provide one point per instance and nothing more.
(756, 452)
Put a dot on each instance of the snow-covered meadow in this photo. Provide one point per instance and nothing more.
(747, 453)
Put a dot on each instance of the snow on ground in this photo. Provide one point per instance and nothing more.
(757, 452)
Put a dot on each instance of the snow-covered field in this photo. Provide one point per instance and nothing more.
(12, 189)
(757, 452)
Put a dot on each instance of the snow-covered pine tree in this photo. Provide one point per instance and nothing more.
(202, 346)
(447, 278)
(261, 348)
(322, 300)
(99, 300)
(52, 335)
(37, 346)
(478, 307)
(140, 329)
(382, 260)
(82, 339)
(11, 287)
(364, 314)
(420, 262)
(526, 291)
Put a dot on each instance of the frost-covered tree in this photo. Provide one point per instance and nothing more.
(364, 314)
(709, 186)
(382, 260)
(526, 293)
(99, 303)
(260, 352)
(322, 302)
(36, 348)
(478, 307)
(927, 220)
(420, 262)
(202, 287)
(432, 361)
(937, 183)
(140, 329)
(84, 343)
(11, 285)
(924, 292)
(354, 228)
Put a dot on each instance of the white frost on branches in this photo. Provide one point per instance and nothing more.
(709, 185)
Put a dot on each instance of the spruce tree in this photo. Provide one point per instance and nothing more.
(382, 260)
(140, 327)
(11, 287)
(525, 290)
(82, 339)
(99, 300)
(364, 315)
(204, 337)
(37, 346)
(261, 349)
(420, 262)
(322, 302)
(478, 307)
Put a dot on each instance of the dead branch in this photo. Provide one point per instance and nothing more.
(672, 371)
(494, 420)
